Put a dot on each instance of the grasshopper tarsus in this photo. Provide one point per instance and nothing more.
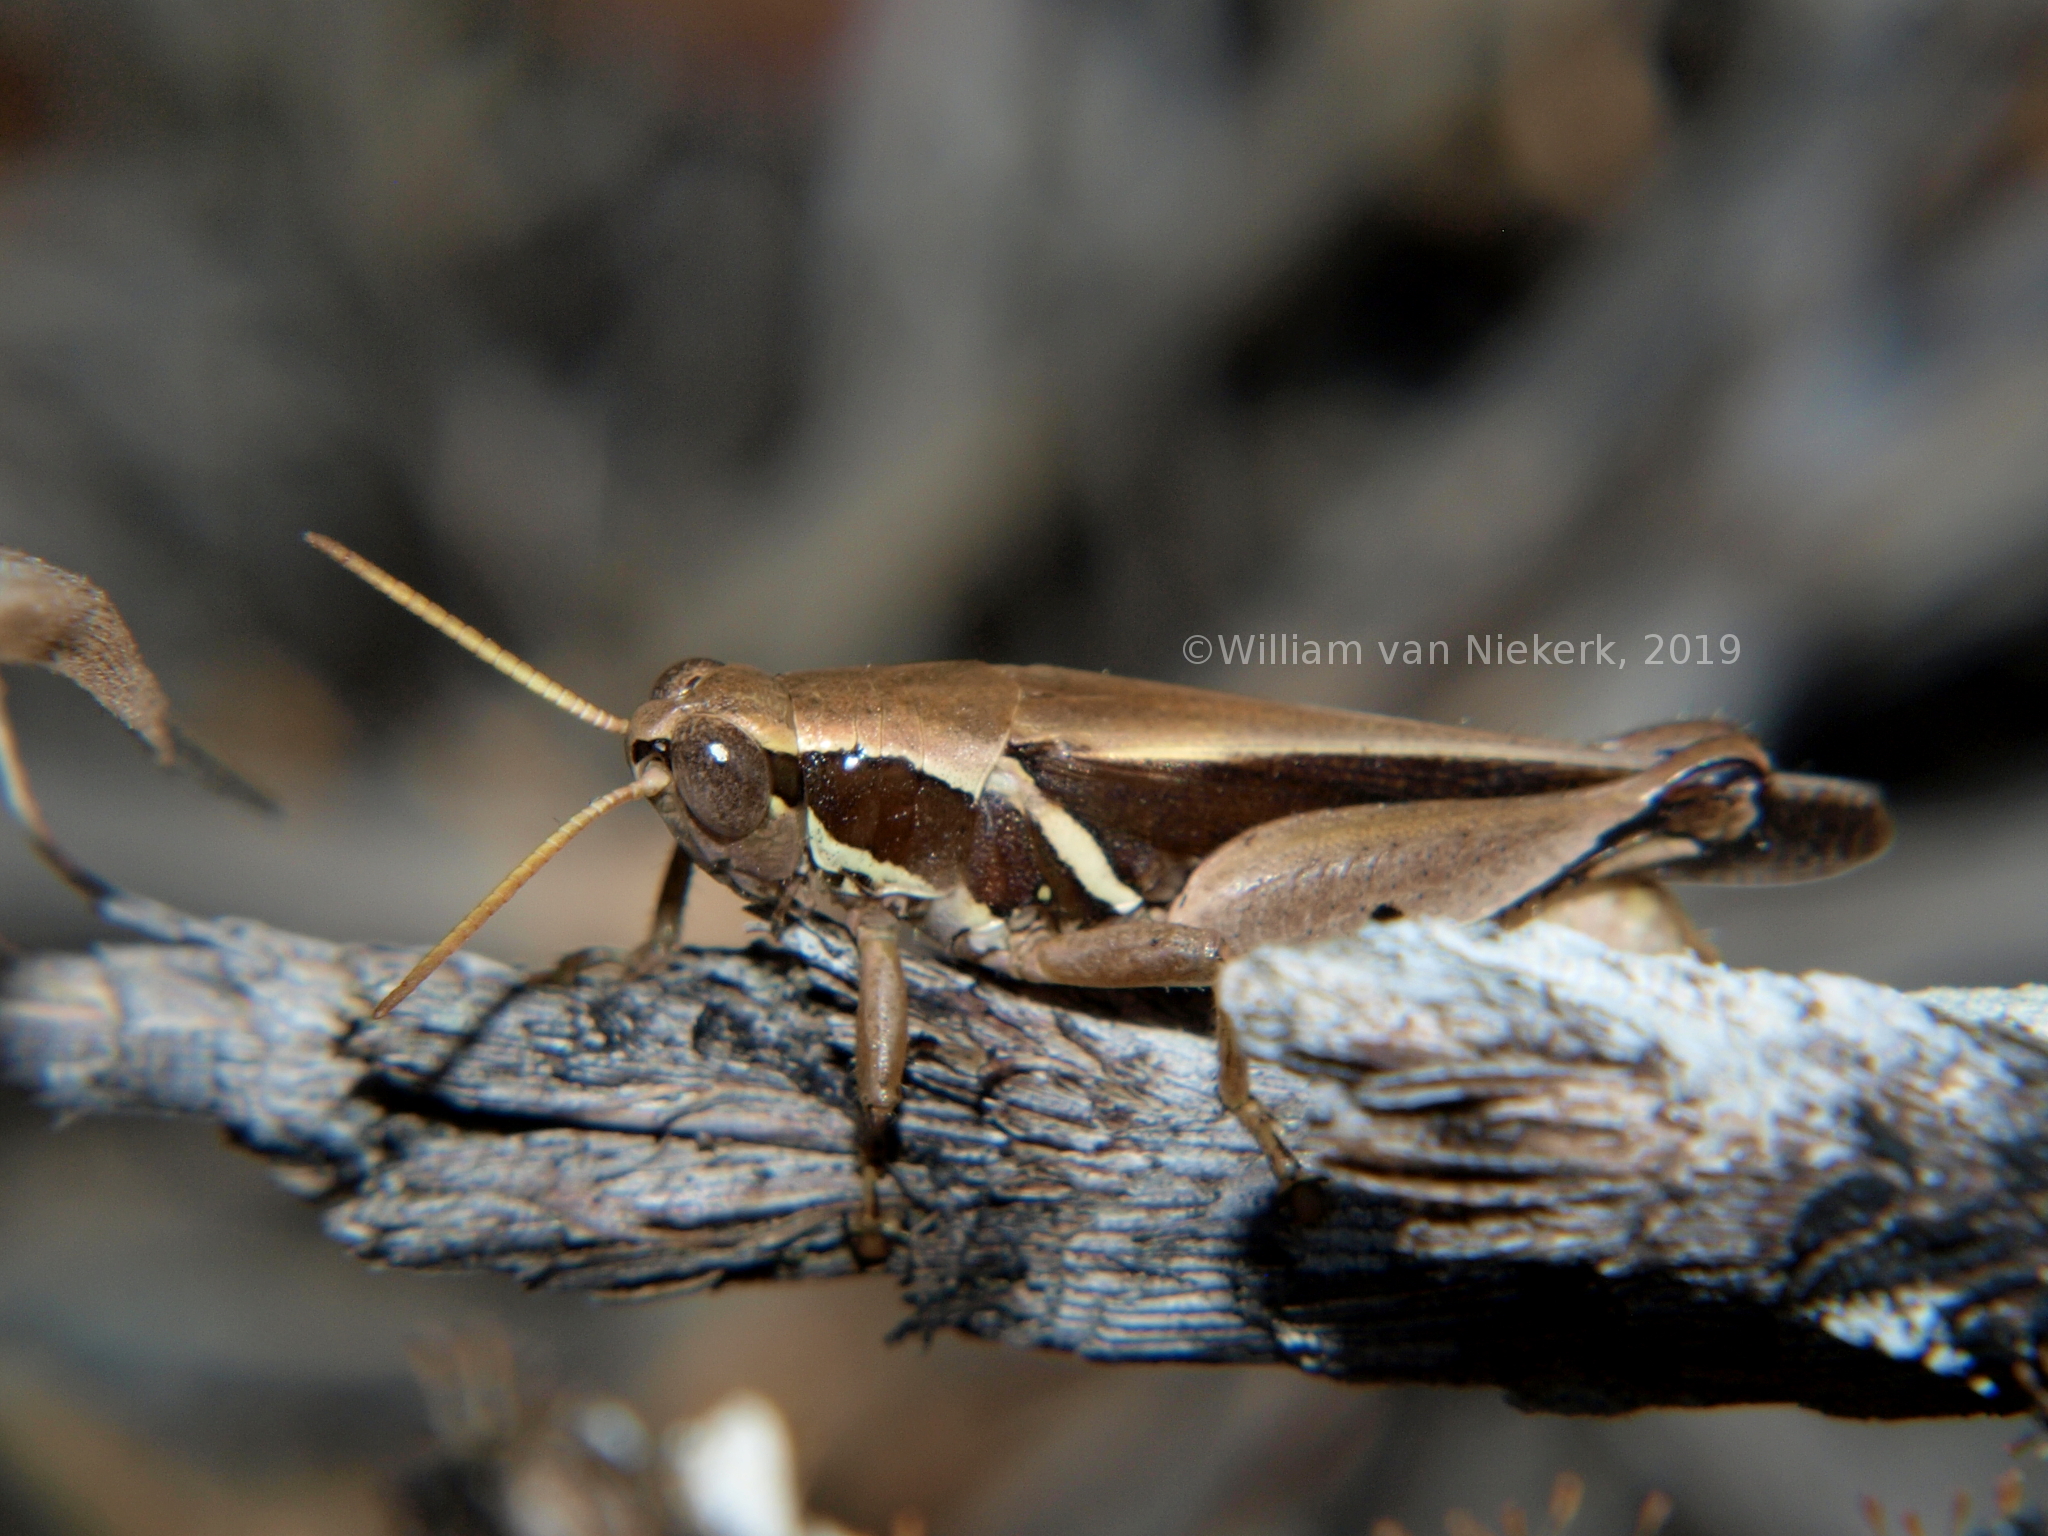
(573, 967)
(868, 1234)
(870, 1244)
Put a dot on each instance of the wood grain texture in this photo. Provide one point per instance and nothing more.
(1600, 1181)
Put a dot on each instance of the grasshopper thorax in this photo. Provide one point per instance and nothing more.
(727, 737)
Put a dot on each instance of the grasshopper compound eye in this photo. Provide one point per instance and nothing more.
(723, 777)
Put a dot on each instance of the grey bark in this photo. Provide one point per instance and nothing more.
(1601, 1181)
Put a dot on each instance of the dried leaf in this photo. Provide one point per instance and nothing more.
(54, 618)
(51, 618)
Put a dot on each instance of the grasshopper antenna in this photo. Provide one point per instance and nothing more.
(470, 638)
(649, 782)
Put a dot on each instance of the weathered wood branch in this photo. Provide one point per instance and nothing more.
(1602, 1181)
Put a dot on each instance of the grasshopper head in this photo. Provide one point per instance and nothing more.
(727, 736)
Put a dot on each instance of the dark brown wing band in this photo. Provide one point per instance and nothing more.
(1811, 826)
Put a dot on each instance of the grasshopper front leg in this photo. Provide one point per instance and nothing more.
(665, 933)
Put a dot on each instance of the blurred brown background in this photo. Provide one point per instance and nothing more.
(808, 332)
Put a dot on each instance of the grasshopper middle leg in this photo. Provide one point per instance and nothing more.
(881, 1040)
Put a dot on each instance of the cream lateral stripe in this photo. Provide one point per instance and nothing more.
(470, 638)
(1073, 842)
(646, 787)
(889, 879)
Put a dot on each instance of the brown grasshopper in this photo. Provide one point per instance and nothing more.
(1083, 830)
